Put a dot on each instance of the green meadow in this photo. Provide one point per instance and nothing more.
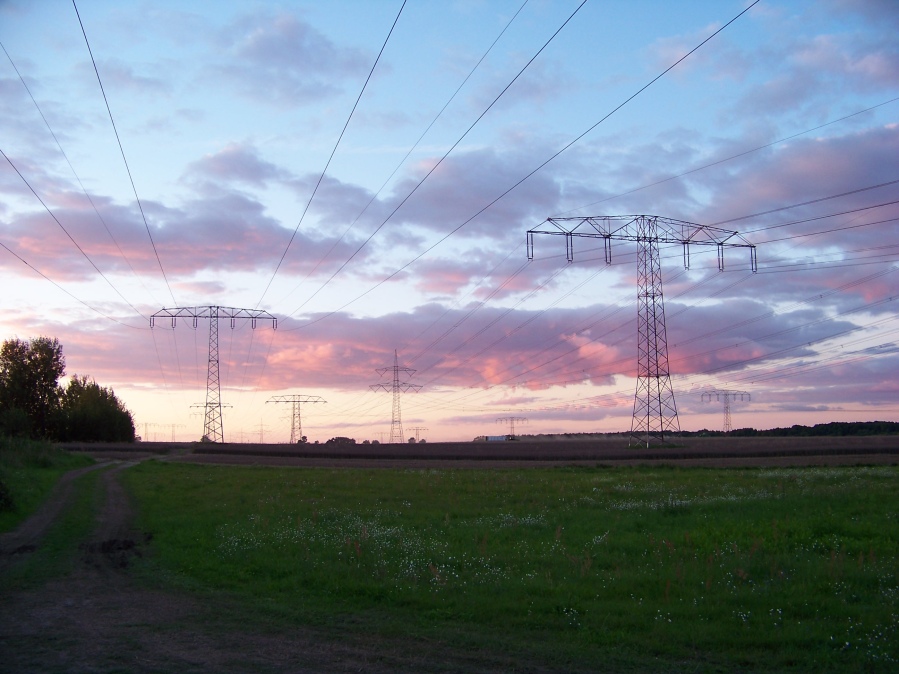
(621, 569)
(28, 472)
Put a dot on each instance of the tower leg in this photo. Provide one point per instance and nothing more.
(396, 424)
(212, 430)
(655, 411)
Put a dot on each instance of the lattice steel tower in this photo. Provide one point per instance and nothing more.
(296, 421)
(725, 396)
(212, 428)
(511, 421)
(398, 387)
(655, 411)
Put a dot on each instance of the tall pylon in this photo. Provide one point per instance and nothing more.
(212, 428)
(725, 396)
(511, 421)
(655, 410)
(296, 421)
(398, 387)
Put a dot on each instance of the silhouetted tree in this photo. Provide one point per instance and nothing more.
(29, 390)
(92, 413)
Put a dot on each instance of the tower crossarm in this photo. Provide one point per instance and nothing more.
(296, 398)
(641, 228)
(725, 394)
(216, 312)
(402, 387)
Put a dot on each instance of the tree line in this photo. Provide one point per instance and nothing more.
(34, 405)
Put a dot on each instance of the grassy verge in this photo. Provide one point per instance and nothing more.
(57, 553)
(607, 569)
(28, 471)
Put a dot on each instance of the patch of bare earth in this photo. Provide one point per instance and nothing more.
(99, 619)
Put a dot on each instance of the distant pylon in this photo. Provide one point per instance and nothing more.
(655, 411)
(725, 396)
(398, 387)
(511, 421)
(417, 430)
(173, 427)
(296, 422)
(212, 428)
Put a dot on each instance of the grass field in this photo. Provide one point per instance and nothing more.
(621, 569)
(28, 471)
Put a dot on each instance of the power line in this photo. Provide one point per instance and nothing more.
(406, 156)
(526, 177)
(806, 203)
(71, 238)
(333, 151)
(59, 287)
(77, 177)
(732, 157)
(434, 168)
(122, 150)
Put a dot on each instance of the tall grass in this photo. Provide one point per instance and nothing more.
(28, 471)
(643, 568)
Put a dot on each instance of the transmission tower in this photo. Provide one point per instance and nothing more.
(511, 421)
(204, 407)
(296, 421)
(212, 429)
(398, 387)
(172, 427)
(418, 429)
(655, 411)
(725, 396)
(147, 425)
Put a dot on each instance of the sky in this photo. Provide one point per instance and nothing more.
(366, 173)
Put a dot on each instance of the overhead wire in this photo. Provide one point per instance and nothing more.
(408, 153)
(426, 176)
(528, 175)
(730, 158)
(69, 235)
(122, 151)
(75, 173)
(61, 288)
(321, 177)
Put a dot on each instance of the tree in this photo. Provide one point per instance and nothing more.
(92, 413)
(29, 390)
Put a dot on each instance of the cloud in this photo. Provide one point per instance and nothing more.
(468, 181)
(118, 76)
(541, 84)
(237, 162)
(281, 60)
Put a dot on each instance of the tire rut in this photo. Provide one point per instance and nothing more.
(26, 538)
(113, 541)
